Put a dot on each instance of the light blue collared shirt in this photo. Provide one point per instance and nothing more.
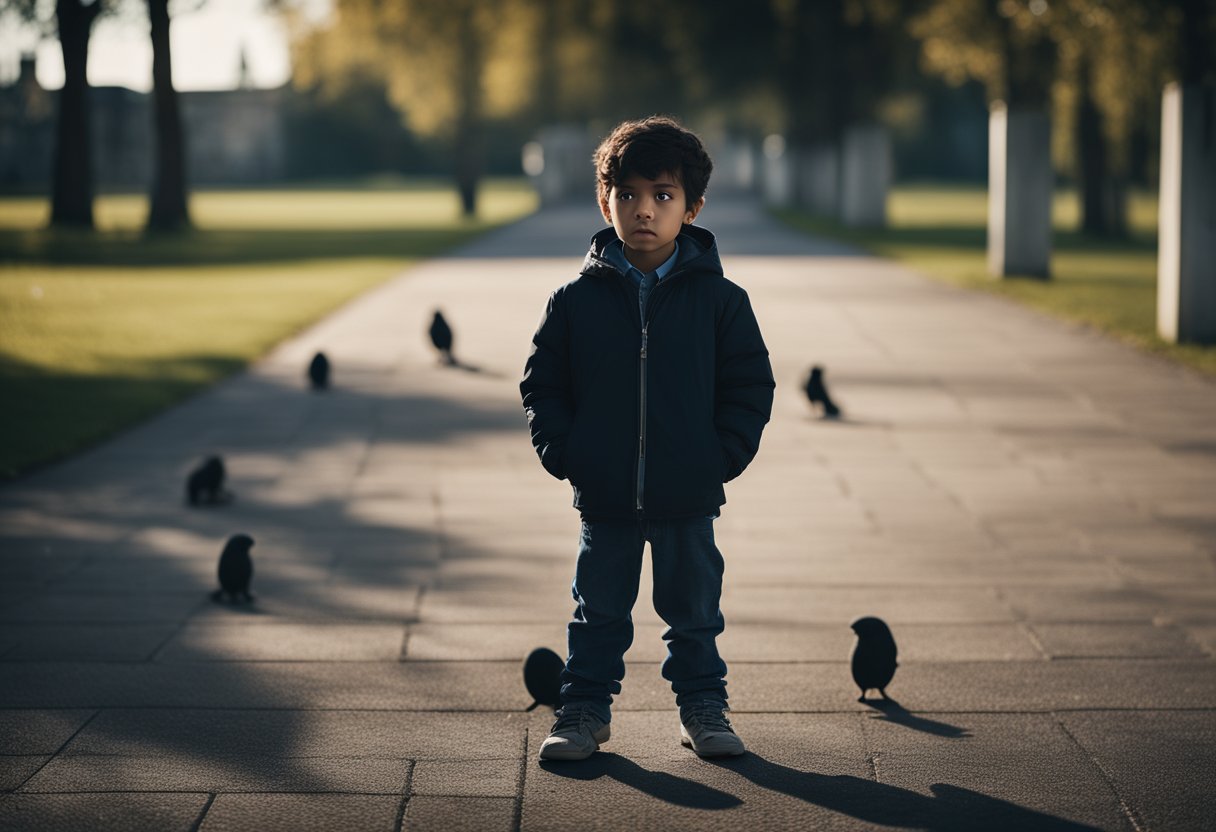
(614, 253)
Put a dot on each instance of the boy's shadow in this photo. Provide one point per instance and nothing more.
(950, 809)
(667, 787)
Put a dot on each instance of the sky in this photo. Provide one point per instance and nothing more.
(206, 45)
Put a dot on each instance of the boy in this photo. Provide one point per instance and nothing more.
(648, 387)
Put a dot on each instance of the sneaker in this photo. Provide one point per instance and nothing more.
(708, 732)
(576, 735)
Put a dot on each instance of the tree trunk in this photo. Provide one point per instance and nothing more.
(1103, 207)
(168, 210)
(467, 141)
(72, 175)
(1195, 59)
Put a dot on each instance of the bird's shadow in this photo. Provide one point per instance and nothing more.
(242, 607)
(894, 712)
(659, 784)
(846, 421)
(474, 369)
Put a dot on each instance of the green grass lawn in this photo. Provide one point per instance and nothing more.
(100, 330)
(1109, 285)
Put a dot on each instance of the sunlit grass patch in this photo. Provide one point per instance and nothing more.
(100, 330)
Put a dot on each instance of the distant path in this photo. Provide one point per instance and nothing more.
(1029, 505)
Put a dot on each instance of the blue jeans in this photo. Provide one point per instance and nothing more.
(687, 589)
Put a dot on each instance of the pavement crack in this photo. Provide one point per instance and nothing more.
(198, 822)
(59, 750)
(517, 819)
(1133, 817)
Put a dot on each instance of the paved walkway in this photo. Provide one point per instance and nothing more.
(1030, 506)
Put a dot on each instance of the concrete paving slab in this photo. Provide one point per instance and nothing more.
(95, 642)
(303, 812)
(894, 604)
(1204, 635)
(1017, 771)
(286, 642)
(1167, 781)
(109, 812)
(1115, 640)
(320, 600)
(482, 642)
(39, 731)
(470, 777)
(460, 814)
(189, 771)
(304, 734)
(87, 608)
(375, 685)
(15, 769)
(1128, 604)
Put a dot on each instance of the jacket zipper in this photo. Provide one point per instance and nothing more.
(642, 415)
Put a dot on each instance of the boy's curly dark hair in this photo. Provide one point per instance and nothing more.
(650, 147)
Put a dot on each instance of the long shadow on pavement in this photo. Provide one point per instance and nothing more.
(894, 712)
(951, 807)
(667, 787)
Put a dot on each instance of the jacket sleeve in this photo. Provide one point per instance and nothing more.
(546, 387)
(744, 385)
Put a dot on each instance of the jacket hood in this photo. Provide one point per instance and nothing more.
(698, 250)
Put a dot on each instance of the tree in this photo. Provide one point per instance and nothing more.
(168, 210)
(1003, 44)
(448, 65)
(72, 176)
(72, 168)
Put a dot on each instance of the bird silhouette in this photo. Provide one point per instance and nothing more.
(206, 483)
(318, 371)
(542, 677)
(236, 569)
(873, 657)
(817, 393)
(441, 337)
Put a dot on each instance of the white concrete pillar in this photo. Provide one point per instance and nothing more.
(777, 173)
(820, 177)
(865, 176)
(1020, 182)
(558, 163)
(1186, 225)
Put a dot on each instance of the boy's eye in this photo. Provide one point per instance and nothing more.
(624, 196)
(662, 196)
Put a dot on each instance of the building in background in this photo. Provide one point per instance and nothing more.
(232, 136)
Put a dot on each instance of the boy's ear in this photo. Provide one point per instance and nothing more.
(605, 210)
(691, 213)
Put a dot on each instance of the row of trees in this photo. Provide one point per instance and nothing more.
(72, 174)
(805, 68)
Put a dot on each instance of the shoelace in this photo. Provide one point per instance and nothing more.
(711, 718)
(572, 716)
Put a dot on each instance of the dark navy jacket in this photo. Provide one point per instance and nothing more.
(648, 417)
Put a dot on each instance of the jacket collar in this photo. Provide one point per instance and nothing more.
(698, 250)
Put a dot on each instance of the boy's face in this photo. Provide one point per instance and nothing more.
(648, 215)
